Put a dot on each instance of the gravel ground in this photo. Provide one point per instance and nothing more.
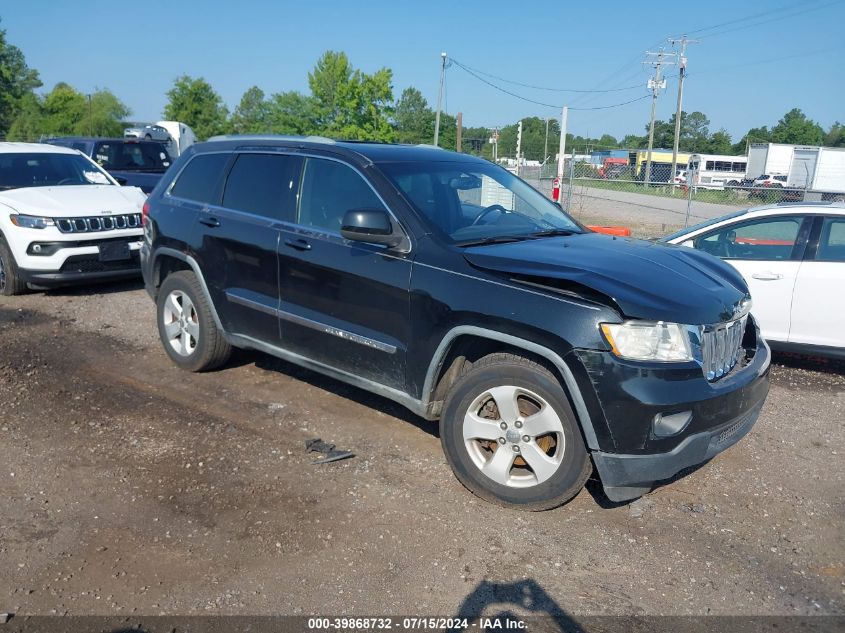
(130, 487)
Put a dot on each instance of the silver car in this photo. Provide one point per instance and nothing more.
(148, 132)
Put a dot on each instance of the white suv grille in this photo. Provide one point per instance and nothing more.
(96, 223)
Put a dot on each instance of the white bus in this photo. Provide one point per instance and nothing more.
(714, 171)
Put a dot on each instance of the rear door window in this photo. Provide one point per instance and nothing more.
(832, 241)
(199, 181)
(263, 184)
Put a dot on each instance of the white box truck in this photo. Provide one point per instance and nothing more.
(812, 172)
(820, 171)
(772, 159)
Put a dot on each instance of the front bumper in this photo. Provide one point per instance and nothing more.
(79, 261)
(630, 396)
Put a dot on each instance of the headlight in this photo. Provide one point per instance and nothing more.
(646, 340)
(31, 221)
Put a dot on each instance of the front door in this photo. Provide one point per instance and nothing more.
(767, 253)
(343, 304)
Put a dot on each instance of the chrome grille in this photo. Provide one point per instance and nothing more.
(721, 347)
(94, 224)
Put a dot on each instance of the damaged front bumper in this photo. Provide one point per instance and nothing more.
(632, 396)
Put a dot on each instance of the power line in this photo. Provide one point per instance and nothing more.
(753, 16)
(546, 88)
(541, 103)
(768, 61)
(770, 20)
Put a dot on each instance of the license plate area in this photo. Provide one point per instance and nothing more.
(114, 251)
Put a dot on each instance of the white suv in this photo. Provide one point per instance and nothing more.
(63, 219)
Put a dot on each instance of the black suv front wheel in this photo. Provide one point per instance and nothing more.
(510, 435)
(186, 326)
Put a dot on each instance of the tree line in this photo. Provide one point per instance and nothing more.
(345, 102)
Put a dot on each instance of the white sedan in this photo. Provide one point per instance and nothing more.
(792, 255)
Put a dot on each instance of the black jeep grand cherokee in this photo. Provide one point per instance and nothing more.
(449, 285)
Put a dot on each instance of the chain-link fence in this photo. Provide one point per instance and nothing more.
(614, 195)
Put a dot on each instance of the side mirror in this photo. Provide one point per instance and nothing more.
(370, 225)
(120, 180)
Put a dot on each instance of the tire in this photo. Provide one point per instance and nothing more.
(148, 137)
(186, 326)
(10, 281)
(558, 466)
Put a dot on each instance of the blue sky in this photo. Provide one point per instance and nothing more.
(742, 74)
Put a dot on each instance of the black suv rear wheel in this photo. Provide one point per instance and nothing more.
(186, 326)
(510, 435)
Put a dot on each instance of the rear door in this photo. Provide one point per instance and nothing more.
(238, 242)
(767, 251)
(818, 308)
(343, 304)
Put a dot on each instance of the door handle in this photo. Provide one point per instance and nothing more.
(300, 244)
(210, 221)
(767, 276)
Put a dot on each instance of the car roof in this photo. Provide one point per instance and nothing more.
(781, 208)
(788, 208)
(33, 148)
(370, 151)
(110, 139)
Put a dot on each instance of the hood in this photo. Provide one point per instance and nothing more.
(74, 200)
(144, 180)
(645, 280)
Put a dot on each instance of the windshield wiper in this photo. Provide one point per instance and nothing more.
(499, 239)
(554, 232)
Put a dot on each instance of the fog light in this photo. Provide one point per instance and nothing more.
(45, 249)
(667, 425)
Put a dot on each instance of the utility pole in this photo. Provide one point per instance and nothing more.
(439, 98)
(518, 145)
(655, 84)
(90, 120)
(682, 73)
(459, 132)
(564, 114)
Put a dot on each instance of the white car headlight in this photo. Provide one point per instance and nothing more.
(31, 221)
(647, 340)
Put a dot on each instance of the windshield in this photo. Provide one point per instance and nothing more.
(471, 201)
(119, 156)
(43, 169)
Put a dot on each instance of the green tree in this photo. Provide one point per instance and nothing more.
(534, 139)
(195, 103)
(720, 143)
(64, 107)
(413, 119)
(28, 124)
(835, 136)
(291, 113)
(103, 116)
(754, 135)
(796, 128)
(251, 115)
(350, 103)
(17, 81)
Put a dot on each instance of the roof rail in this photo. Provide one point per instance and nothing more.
(808, 203)
(271, 137)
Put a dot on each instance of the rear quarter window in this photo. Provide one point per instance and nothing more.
(200, 180)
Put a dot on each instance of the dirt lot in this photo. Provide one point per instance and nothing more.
(129, 486)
